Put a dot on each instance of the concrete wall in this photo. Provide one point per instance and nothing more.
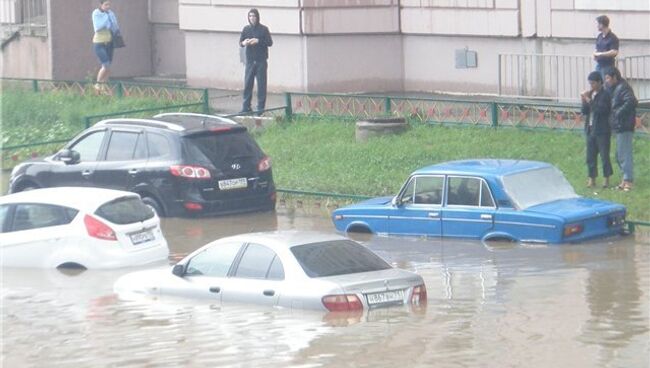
(27, 57)
(71, 36)
(168, 41)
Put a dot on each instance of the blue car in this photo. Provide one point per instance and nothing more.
(515, 200)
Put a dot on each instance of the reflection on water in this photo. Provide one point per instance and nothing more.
(581, 305)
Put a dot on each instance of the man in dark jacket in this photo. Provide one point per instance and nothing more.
(622, 119)
(596, 105)
(256, 38)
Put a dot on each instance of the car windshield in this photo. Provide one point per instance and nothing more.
(125, 210)
(338, 257)
(221, 149)
(539, 186)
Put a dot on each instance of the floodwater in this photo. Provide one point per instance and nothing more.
(496, 305)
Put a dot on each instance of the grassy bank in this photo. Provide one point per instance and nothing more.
(323, 156)
(29, 117)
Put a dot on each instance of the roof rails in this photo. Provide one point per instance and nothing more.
(147, 122)
(220, 118)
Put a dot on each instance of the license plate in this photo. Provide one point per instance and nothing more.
(392, 297)
(233, 183)
(143, 237)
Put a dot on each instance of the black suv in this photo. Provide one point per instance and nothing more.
(180, 163)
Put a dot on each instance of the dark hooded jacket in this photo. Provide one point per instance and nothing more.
(598, 109)
(259, 52)
(623, 116)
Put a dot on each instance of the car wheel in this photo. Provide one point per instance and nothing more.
(153, 204)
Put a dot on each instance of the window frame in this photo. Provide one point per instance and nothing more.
(102, 146)
(415, 177)
(10, 222)
(480, 194)
(138, 132)
(237, 262)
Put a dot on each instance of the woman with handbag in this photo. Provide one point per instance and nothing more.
(106, 30)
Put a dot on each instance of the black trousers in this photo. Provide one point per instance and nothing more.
(255, 70)
(598, 144)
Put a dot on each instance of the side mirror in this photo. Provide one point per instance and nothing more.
(69, 157)
(396, 202)
(178, 270)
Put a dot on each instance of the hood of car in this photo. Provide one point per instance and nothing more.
(374, 202)
(575, 209)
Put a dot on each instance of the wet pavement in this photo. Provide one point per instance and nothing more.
(499, 305)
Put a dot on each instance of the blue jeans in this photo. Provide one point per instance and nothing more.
(624, 154)
(104, 52)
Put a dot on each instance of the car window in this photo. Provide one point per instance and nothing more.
(463, 191)
(256, 262)
(159, 146)
(407, 195)
(486, 197)
(221, 149)
(428, 190)
(140, 148)
(276, 271)
(337, 257)
(34, 216)
(215, 261)
(121, 146)
(89, 146)
(125, 210)
(4, 211)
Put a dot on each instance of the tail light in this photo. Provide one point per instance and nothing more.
(188, 171)
(191, 206)
(98, 229)
(264, 164)
(419, 295)
(572, 229)
(341, 303)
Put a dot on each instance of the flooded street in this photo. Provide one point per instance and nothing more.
(498, 305)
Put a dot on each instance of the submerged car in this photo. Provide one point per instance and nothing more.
(515, 200)
(286, 269)
(181, 164)
(78, 227)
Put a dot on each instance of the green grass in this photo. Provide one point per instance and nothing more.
(29, 117)
(323, 156)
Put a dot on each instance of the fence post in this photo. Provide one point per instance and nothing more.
(288, 109)
(34, 85)
(495, 115)
(388, 106)
(206, 101)
(119, 90)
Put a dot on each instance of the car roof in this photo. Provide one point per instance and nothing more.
(285, 238)
(85, 198)
(183, 123)
(485, 167)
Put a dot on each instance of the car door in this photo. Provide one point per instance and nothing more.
(32, 233)
(206, 274)
(79, 174)
(469, 207)
(257, 278)
(418, 207)
(124, 161)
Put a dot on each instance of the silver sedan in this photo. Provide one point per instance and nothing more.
(290, 269)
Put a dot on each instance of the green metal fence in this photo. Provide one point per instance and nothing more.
(495, 113)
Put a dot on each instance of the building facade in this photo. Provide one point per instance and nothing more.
(459, 46)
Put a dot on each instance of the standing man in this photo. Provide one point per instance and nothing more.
(596, 105)
(622, 119)
(256, 38)
(606, 46)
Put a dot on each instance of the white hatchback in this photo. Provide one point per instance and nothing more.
(78, 227)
